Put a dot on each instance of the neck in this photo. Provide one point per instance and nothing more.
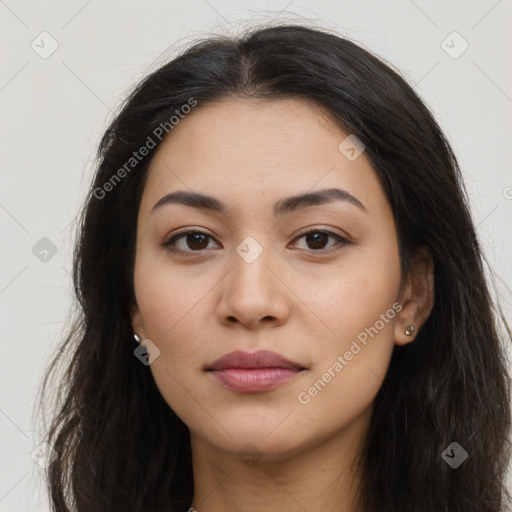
(322, 476)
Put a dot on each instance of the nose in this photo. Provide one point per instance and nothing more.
(254, 294)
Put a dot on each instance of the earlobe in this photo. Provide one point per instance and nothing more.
(416, 298)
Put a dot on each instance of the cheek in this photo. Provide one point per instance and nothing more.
(360, 309)
(171, 320)
(176, 314)
(350, 366)
(170, 299)
(353, 298)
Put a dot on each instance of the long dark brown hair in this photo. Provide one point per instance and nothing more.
(119, 444)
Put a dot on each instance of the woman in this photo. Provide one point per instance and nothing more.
(282, 297)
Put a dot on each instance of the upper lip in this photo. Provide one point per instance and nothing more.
(247, 360)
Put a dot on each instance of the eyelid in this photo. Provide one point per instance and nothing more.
(167, 244)
(341, 239)
(323, 229)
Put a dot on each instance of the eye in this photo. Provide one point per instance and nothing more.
(194, 240)
(317, 240)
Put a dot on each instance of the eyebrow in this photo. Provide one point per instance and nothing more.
(281, 207)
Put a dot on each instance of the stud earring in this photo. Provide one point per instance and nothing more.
(409, 330)
(136, 337)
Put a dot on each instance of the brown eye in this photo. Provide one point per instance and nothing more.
(317, 240)
(188, 241)
(196, 241)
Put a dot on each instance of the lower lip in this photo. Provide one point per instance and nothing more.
(254, 380)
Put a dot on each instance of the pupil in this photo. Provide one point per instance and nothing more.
(317, 239)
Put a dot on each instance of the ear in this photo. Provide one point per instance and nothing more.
(136, 320)
(416, 296)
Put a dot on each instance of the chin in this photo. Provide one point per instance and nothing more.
(271, 436)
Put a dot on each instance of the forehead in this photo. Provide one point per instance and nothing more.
(241, 148)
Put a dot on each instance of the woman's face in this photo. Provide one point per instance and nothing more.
(251, 278)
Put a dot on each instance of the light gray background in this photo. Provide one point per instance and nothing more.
(54, 110)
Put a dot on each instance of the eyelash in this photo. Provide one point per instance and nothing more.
(169, 244)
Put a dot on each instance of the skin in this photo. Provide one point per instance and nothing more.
(295, 299)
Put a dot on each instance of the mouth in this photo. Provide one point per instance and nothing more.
(255, 372)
